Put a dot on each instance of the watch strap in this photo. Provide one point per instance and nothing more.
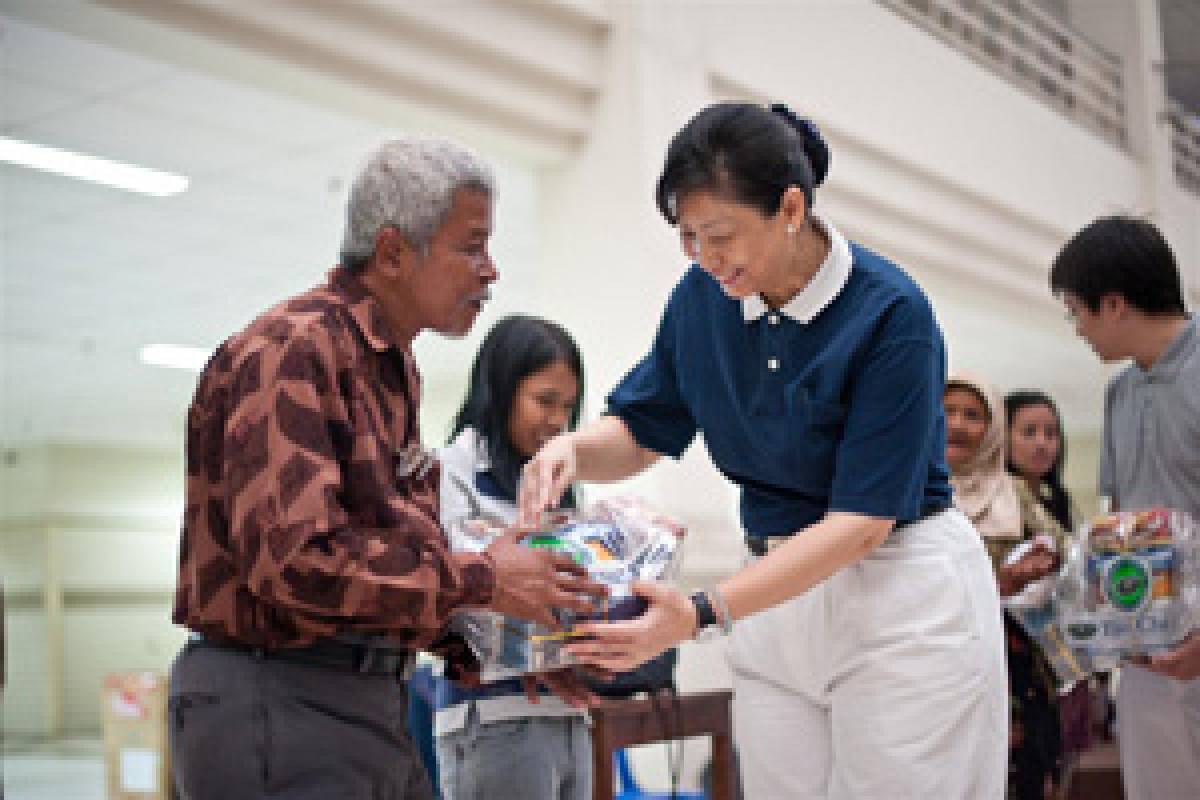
(706, 617)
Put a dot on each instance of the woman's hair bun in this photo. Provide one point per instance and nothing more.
(815, 147)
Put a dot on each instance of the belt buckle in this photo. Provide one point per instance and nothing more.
(365, 656)
(382, 660)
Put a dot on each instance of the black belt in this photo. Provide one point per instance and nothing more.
(365, 658)
(760, 545)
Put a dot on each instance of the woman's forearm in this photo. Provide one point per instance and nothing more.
(809, 557)
(605, 450)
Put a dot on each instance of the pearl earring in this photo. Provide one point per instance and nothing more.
(791, 229)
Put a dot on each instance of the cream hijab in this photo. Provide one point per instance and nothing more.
(983, 489)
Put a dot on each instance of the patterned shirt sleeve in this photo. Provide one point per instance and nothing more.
(328, 536)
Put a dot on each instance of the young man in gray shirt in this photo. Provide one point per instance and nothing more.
(1120, 283)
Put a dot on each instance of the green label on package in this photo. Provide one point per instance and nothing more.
(1127, 584)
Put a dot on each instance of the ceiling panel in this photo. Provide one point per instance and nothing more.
(26, 99)
(74, 64)
(90, 274)
(267, 120)
(126, 132)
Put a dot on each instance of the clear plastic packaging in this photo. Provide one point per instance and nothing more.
(1036, 610)
(1130, 586)
(618, 540)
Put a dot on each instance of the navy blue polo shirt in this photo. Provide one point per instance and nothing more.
(836, 406)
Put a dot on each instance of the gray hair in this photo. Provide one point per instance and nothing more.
(408, 184)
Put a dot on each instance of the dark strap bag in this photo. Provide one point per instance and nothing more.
(656, 674)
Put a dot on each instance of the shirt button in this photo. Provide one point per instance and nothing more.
(772, 364)
(773, 319)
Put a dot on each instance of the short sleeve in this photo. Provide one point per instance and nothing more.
(894, 423)
(648, 399)
(1106, 479)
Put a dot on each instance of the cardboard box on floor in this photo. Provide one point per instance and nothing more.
(134, 718)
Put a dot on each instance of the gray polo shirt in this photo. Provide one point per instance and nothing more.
(1151, 454)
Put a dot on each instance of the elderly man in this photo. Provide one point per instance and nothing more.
(312, 562)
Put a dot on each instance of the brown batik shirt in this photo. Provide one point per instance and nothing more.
(311, 505)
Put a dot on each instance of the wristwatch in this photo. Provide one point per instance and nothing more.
(708, 626)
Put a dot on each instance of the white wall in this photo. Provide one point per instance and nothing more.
(88, 559)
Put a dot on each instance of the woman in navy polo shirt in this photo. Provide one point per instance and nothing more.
(867, 657)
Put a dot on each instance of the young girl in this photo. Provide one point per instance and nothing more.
(525, 389)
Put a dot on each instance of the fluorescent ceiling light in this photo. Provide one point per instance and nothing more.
(175, 356)
(91, 168)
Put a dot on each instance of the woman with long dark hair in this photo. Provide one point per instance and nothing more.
(526, 387)
(1037, 450)
(865, 636)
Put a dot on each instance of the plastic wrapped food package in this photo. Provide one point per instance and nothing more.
(1035, 608)
(618, 540)
(1130, 586)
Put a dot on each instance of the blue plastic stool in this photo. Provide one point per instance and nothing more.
(420, 720)
(628, 789)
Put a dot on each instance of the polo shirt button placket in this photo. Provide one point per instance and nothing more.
(773, 319)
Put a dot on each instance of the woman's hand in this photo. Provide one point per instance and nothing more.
(1039, 562)
(621, 646)
(546, 477)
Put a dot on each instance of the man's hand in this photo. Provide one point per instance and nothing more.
(531, 582)
(566, 683)
(1182, 663)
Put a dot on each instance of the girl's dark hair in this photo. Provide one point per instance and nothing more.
(1124, 256)
(1058, 503)
(515, 348)
(746, 153)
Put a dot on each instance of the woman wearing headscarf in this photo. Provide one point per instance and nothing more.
(1006, 515)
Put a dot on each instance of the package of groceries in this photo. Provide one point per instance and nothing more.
(1035, 608)
(1130, 585)
(618, 540)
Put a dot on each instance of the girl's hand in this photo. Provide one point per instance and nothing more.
(621, 646)
(566, 683)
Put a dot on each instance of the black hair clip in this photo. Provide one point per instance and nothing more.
(815, 148)
(805, 126)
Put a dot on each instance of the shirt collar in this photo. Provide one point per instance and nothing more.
(364, 309)
(1176, 353)
(820, 291)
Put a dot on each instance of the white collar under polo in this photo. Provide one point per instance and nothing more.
(820, 291)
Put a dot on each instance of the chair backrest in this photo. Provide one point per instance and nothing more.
(628, 789)
(625, 781)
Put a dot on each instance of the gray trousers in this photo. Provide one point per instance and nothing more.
(531, 758)
(243, 727)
